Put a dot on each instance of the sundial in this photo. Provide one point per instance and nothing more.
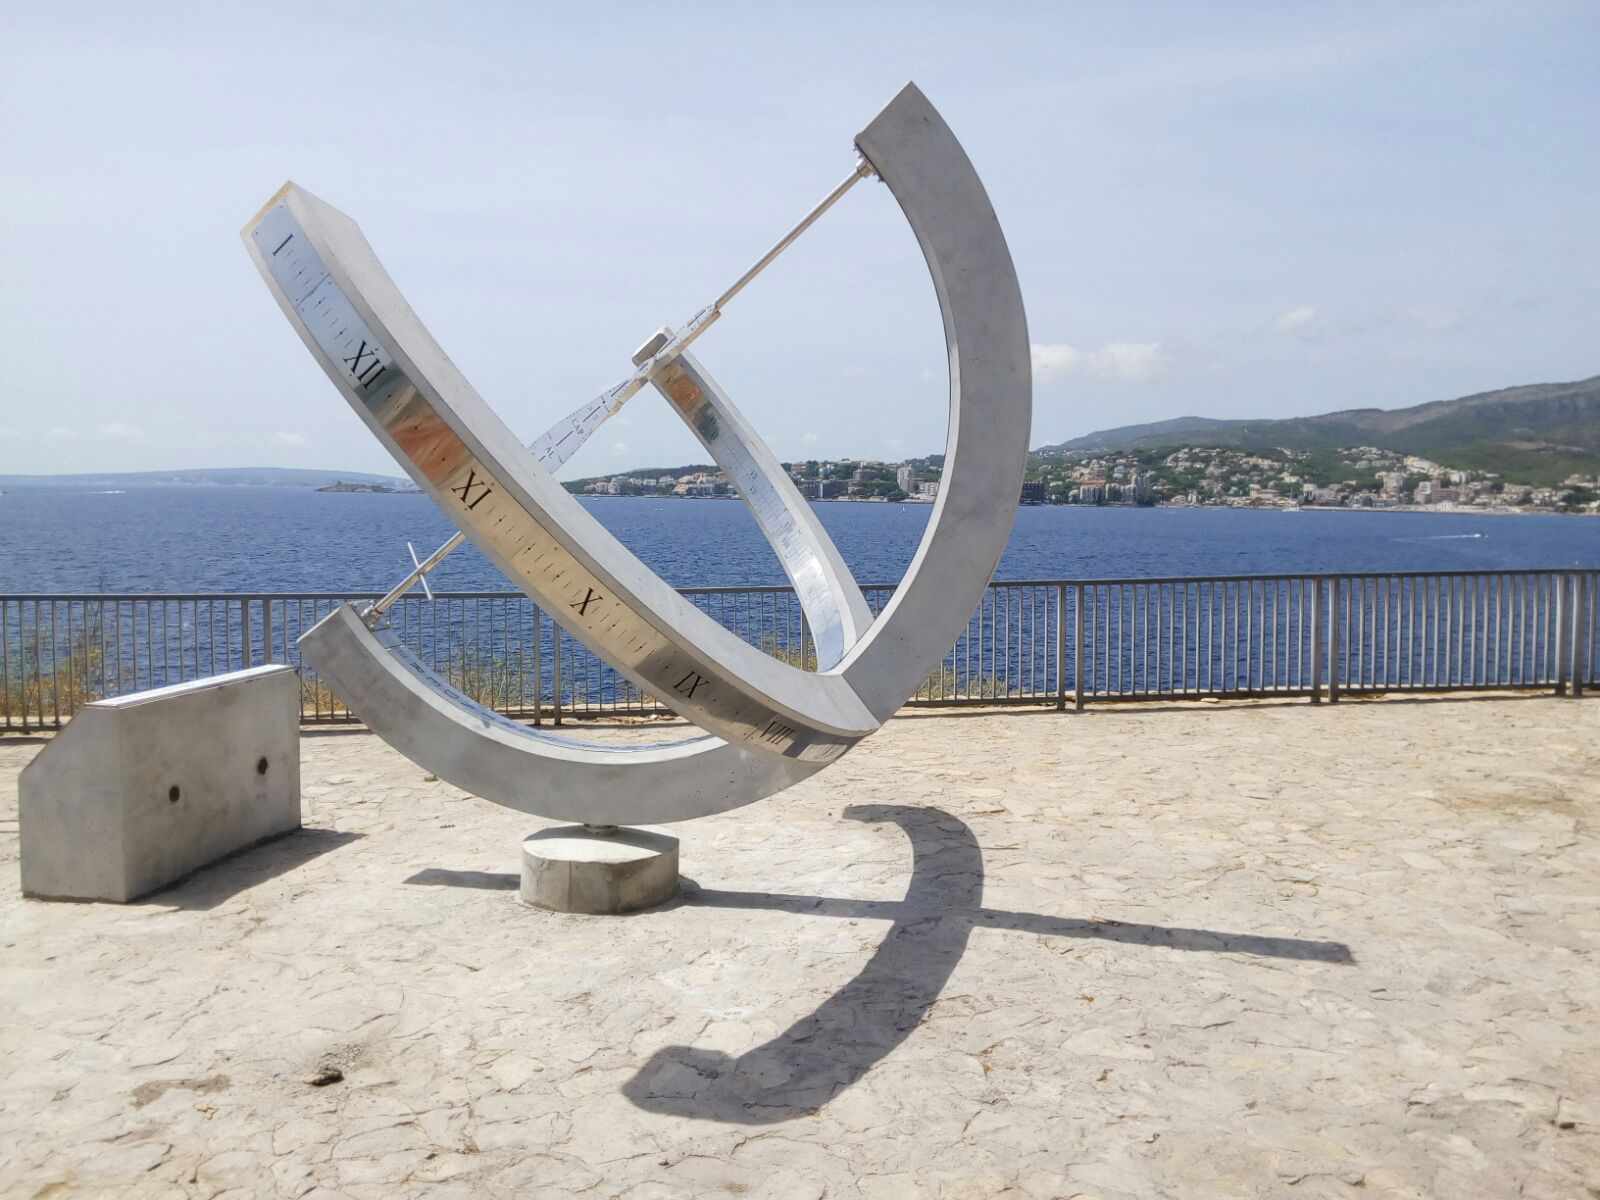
(766, 724)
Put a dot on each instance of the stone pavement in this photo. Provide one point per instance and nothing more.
(1164, 951)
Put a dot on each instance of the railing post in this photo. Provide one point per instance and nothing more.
(1061, 647)
(1563, 636)
(5, 662)
(1593, 616)
(244, 627)
(1335, 586)
(555, 674)
(1077, 653)
(538, 666)
(1316, 641)
(1583, 650)
(266, 629)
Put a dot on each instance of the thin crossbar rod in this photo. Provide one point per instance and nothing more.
(863, 169)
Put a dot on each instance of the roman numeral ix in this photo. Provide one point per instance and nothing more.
(465, 491)
(685, 687)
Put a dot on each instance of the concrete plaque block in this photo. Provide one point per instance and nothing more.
(136, 792)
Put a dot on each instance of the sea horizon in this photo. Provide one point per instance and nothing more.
(243, 538)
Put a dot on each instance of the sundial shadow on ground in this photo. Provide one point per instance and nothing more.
(833, 1047)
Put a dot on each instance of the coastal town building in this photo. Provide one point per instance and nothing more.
(1353, 477)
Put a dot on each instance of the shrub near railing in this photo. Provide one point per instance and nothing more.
(36, 678)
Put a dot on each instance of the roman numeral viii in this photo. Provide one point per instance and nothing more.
(775, 732)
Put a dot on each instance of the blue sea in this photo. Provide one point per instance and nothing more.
(199, 538)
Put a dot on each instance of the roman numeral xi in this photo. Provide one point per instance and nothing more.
(465, 491)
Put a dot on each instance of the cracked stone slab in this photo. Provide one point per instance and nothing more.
(1173, 950)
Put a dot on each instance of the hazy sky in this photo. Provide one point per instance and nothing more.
(1223, 209)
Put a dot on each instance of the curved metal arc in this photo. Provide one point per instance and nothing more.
(828, 593)
(991, 399)
(426, 718)
(530, 770)
(835, 610)
(990, 395)
(400, 382)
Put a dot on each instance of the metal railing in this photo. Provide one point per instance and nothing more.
(1052, 641)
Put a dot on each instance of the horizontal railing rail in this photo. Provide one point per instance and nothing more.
(1081, 641)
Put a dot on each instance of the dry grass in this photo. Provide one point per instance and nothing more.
(48, 683)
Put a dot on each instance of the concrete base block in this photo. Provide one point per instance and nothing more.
(578, 869)
(136, 792)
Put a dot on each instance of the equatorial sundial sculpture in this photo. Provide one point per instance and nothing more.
(767, 724)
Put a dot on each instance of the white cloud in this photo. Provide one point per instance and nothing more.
(1131, 361)
(1430, 317)
(1053, 359)
(62, 433)
(809, 439)
(1296, 320)
(850, 371)
(291, 439)
(619, 447)
(119, 429)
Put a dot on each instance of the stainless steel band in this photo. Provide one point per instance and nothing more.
(354, 319)
(774, 724)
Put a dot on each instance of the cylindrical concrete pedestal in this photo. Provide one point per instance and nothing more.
(579, 869)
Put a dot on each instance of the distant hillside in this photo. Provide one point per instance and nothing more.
(1536, 434)
(1126, 437)
(212, 476)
